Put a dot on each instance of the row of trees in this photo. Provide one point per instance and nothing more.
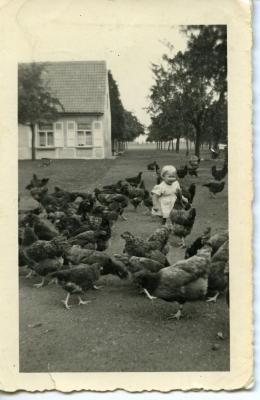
(125, 126)
(36, 104)
(189, 97)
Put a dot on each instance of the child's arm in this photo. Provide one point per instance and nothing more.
(156, 204)
(185, 199)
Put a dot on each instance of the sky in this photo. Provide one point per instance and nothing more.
(126, 39)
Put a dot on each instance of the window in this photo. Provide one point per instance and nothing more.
(46, 135)
(84, 134)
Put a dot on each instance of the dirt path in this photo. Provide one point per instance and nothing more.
(121, 330)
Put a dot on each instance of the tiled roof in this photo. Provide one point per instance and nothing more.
(79, 85)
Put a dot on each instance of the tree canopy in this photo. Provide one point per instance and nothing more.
(124, 124)
(189, 93)
(35, 102)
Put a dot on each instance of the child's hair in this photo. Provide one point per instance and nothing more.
(168, 168)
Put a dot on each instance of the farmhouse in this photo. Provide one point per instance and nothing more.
(83, 129)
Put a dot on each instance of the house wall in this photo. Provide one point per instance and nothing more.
(107, 124)
(65, 140)
(24, 142)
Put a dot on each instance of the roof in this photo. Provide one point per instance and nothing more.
(79, 85)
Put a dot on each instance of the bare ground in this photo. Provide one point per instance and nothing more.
(121, 330)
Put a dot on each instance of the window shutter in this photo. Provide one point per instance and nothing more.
(71, 134)
(58, 134)
(37, 138)
(97, 133)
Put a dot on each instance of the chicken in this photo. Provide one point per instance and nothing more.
(114, 201)
(159, 238)
(116, 188)
(87, 237)
(135, 181)
(27, 238)
(44, 229)
(182, 220)
(219, 174)
(217, 240)
(45, 199)
(77, 280)
(135, 195)
(182, 171)
(46, 267)
(218, 276)
(153, 166)
(158, 177)
(36, 182)
(77, 255)
(189, 192)
(215, 187)
(136, 246)
(42, 249)
(137, 264)
(68, 224)
(194, 161)
(147, 200)
(198, 243)
(193, 171)
(186, 280)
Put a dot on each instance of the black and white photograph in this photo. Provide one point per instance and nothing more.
(124, 154)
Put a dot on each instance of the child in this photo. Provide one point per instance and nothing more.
(164, 194)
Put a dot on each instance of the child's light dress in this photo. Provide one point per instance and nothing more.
(167, 197)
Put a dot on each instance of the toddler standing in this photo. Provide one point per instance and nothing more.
(164, 195)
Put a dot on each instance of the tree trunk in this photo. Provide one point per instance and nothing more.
(177, 149)
(197, 142)
(32, 126)
(169, 145)
(187, 147)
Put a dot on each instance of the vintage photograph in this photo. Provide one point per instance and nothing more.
(126, 201)
(123, 203)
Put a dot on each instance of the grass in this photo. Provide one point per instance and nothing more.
(121, 330)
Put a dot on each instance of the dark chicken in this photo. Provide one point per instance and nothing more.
(77, 280)
(189, 192)
(182, 220)
(44, 229)
(215, 187)
(218, 276)
(182, 172)
(198, 243)
(135, 181)
(37, 183)
(219, 174)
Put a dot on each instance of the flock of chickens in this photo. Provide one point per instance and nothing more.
(64, 240)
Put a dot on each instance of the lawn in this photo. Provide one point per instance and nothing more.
(121, 330)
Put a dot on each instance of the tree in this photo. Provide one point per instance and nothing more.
(207, 57)
(190, 84)
(35, 102)
(117, 110)
(133, 127)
